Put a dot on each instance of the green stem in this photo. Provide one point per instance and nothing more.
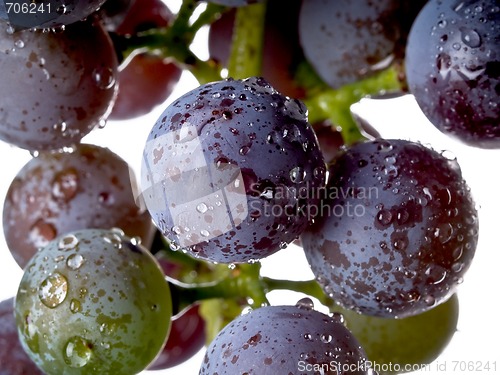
(244, 282)
(335, 104)
(245, 59)
(174, 41)
(309, 287)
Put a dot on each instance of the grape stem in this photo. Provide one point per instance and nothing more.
(334, 104)
(173, 41)
(245, 59)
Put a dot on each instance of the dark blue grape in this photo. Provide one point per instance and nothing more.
(285, 340)
(55, 87)
(345, 40)
(228, 170)
(399, 229)
(453, 68)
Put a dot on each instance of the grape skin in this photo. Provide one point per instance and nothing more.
(346, 40)
(412, 238)
(93, 302)
(283, 340)
(13, 358)
(210, 144)
(56, 87)
(57, 192)
(453, 65)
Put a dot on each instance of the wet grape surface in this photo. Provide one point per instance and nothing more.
(204, 181)
(401, 229)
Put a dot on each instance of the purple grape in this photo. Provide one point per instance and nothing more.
(13, 358)
(398, 229)
(228, 169)
(345, 40)
(58, 192)
(56, 87)
(453, 68)
(284, 340)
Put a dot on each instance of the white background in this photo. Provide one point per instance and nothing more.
(478, 330)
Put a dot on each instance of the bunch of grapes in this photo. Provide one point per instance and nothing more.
(264, 155)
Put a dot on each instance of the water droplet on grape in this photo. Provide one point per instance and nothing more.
(19, 43)
(68, 242)
(53, 290)
(202, 208)
(114, 239)
(104, 78)
(297, 175)
(75, 261)
(77, 352)
(75, 306)
(205, 233)
(471, 37)
(305, 303)
(384, 217)
(65, 184)
(244, 150)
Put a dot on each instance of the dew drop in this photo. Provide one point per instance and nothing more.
(75, 306)
(53, 290)
(308, 337)
(305, 303)
(429, 300)
(385, 146)
(444, 232)
(471, 37)
(202, 208)
(10, 30)
(65, 185)
(75, 261)
(326, 338)
(384, 217)
(436, 274)
(77, 352)
(104, 78)
(205, 233)
(338, 317)
(297, 175)
(19, 43)
(114, 239)
(244, 150)
(68, 242)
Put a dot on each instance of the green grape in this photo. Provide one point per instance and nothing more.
(403, 345)
(93, 302)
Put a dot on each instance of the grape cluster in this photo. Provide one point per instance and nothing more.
(263, 153)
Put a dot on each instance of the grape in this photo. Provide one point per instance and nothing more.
(345, 40)
(186, 338)
(329, 138)
(453, 65)
(93, 302)
(144, 72)
(234, 3)
(284, 340)
(113, 12)
(281, 51)
(50, 13)
(13, 358)
(207, 184)
(399, 229)
(57, 192)
(56, 87)
(415, 340)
